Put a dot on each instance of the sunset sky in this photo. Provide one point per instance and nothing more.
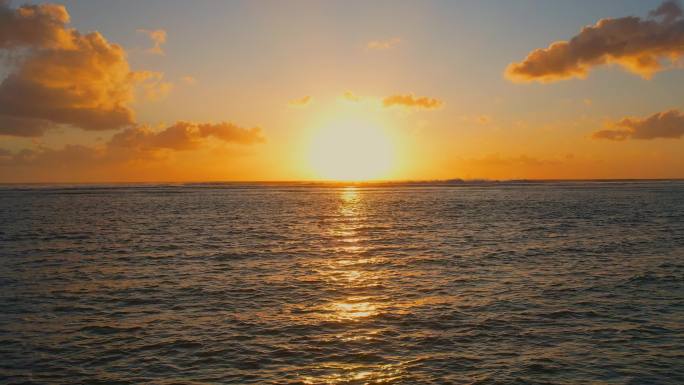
(158, 90)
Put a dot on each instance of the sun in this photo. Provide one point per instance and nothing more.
(352, 150)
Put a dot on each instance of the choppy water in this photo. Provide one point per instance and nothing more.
(553, 283)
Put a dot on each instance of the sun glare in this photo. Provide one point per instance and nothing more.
(352, 151)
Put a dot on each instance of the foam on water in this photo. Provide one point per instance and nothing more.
(561, 283)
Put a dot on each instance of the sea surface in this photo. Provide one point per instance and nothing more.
(490, 283)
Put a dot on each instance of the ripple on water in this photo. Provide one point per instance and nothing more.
(552, 284)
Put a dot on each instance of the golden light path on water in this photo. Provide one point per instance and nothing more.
(348, 269)
(351, 213)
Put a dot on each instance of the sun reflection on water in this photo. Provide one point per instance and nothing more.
(354, 309)
(343, 271)
(350, 374)
(350, 272)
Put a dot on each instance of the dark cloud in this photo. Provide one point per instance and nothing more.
(12, 126)
(639, 45)
(669, 11)
(666, 125)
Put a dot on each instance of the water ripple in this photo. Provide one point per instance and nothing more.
(507, 284)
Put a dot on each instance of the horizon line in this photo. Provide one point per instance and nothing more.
(395, 182)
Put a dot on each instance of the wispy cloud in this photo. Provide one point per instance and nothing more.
(158, 37)
(300, 102)
(638, 45)
(383, 44)
(482, 120)
(188, 80)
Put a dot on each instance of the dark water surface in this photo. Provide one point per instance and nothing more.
(551, 283)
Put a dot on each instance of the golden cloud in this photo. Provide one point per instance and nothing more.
(300, 102)
(65, 77)
(638, 45)
(666, 125)
(40, 25)
(348, 95)
(409, 100)
(158, 37)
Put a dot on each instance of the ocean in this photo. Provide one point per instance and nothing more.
(472, 283)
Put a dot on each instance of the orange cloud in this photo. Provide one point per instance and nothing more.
(158, 37)
(300, 102)
(183, 136)
(408, 100)
(638, 45)
(229, 132)
(64, 77)
(667, 125)
(152, 84)
(383, 44)
(40, 25)
(139, 145)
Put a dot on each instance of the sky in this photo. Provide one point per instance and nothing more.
(165, 90)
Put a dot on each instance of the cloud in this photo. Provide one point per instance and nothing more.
(24, 127)
(666, 125)
(669, 11)
(189, 80)
(483, 119)
(63, 76)
(229, 132)
(158, 37)
(348, 95)
(40, 25)
(383, 44)
(409, 100)
(300, 102)
(153, 85)
(183, 136)
(141, 146)
(640, 46)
